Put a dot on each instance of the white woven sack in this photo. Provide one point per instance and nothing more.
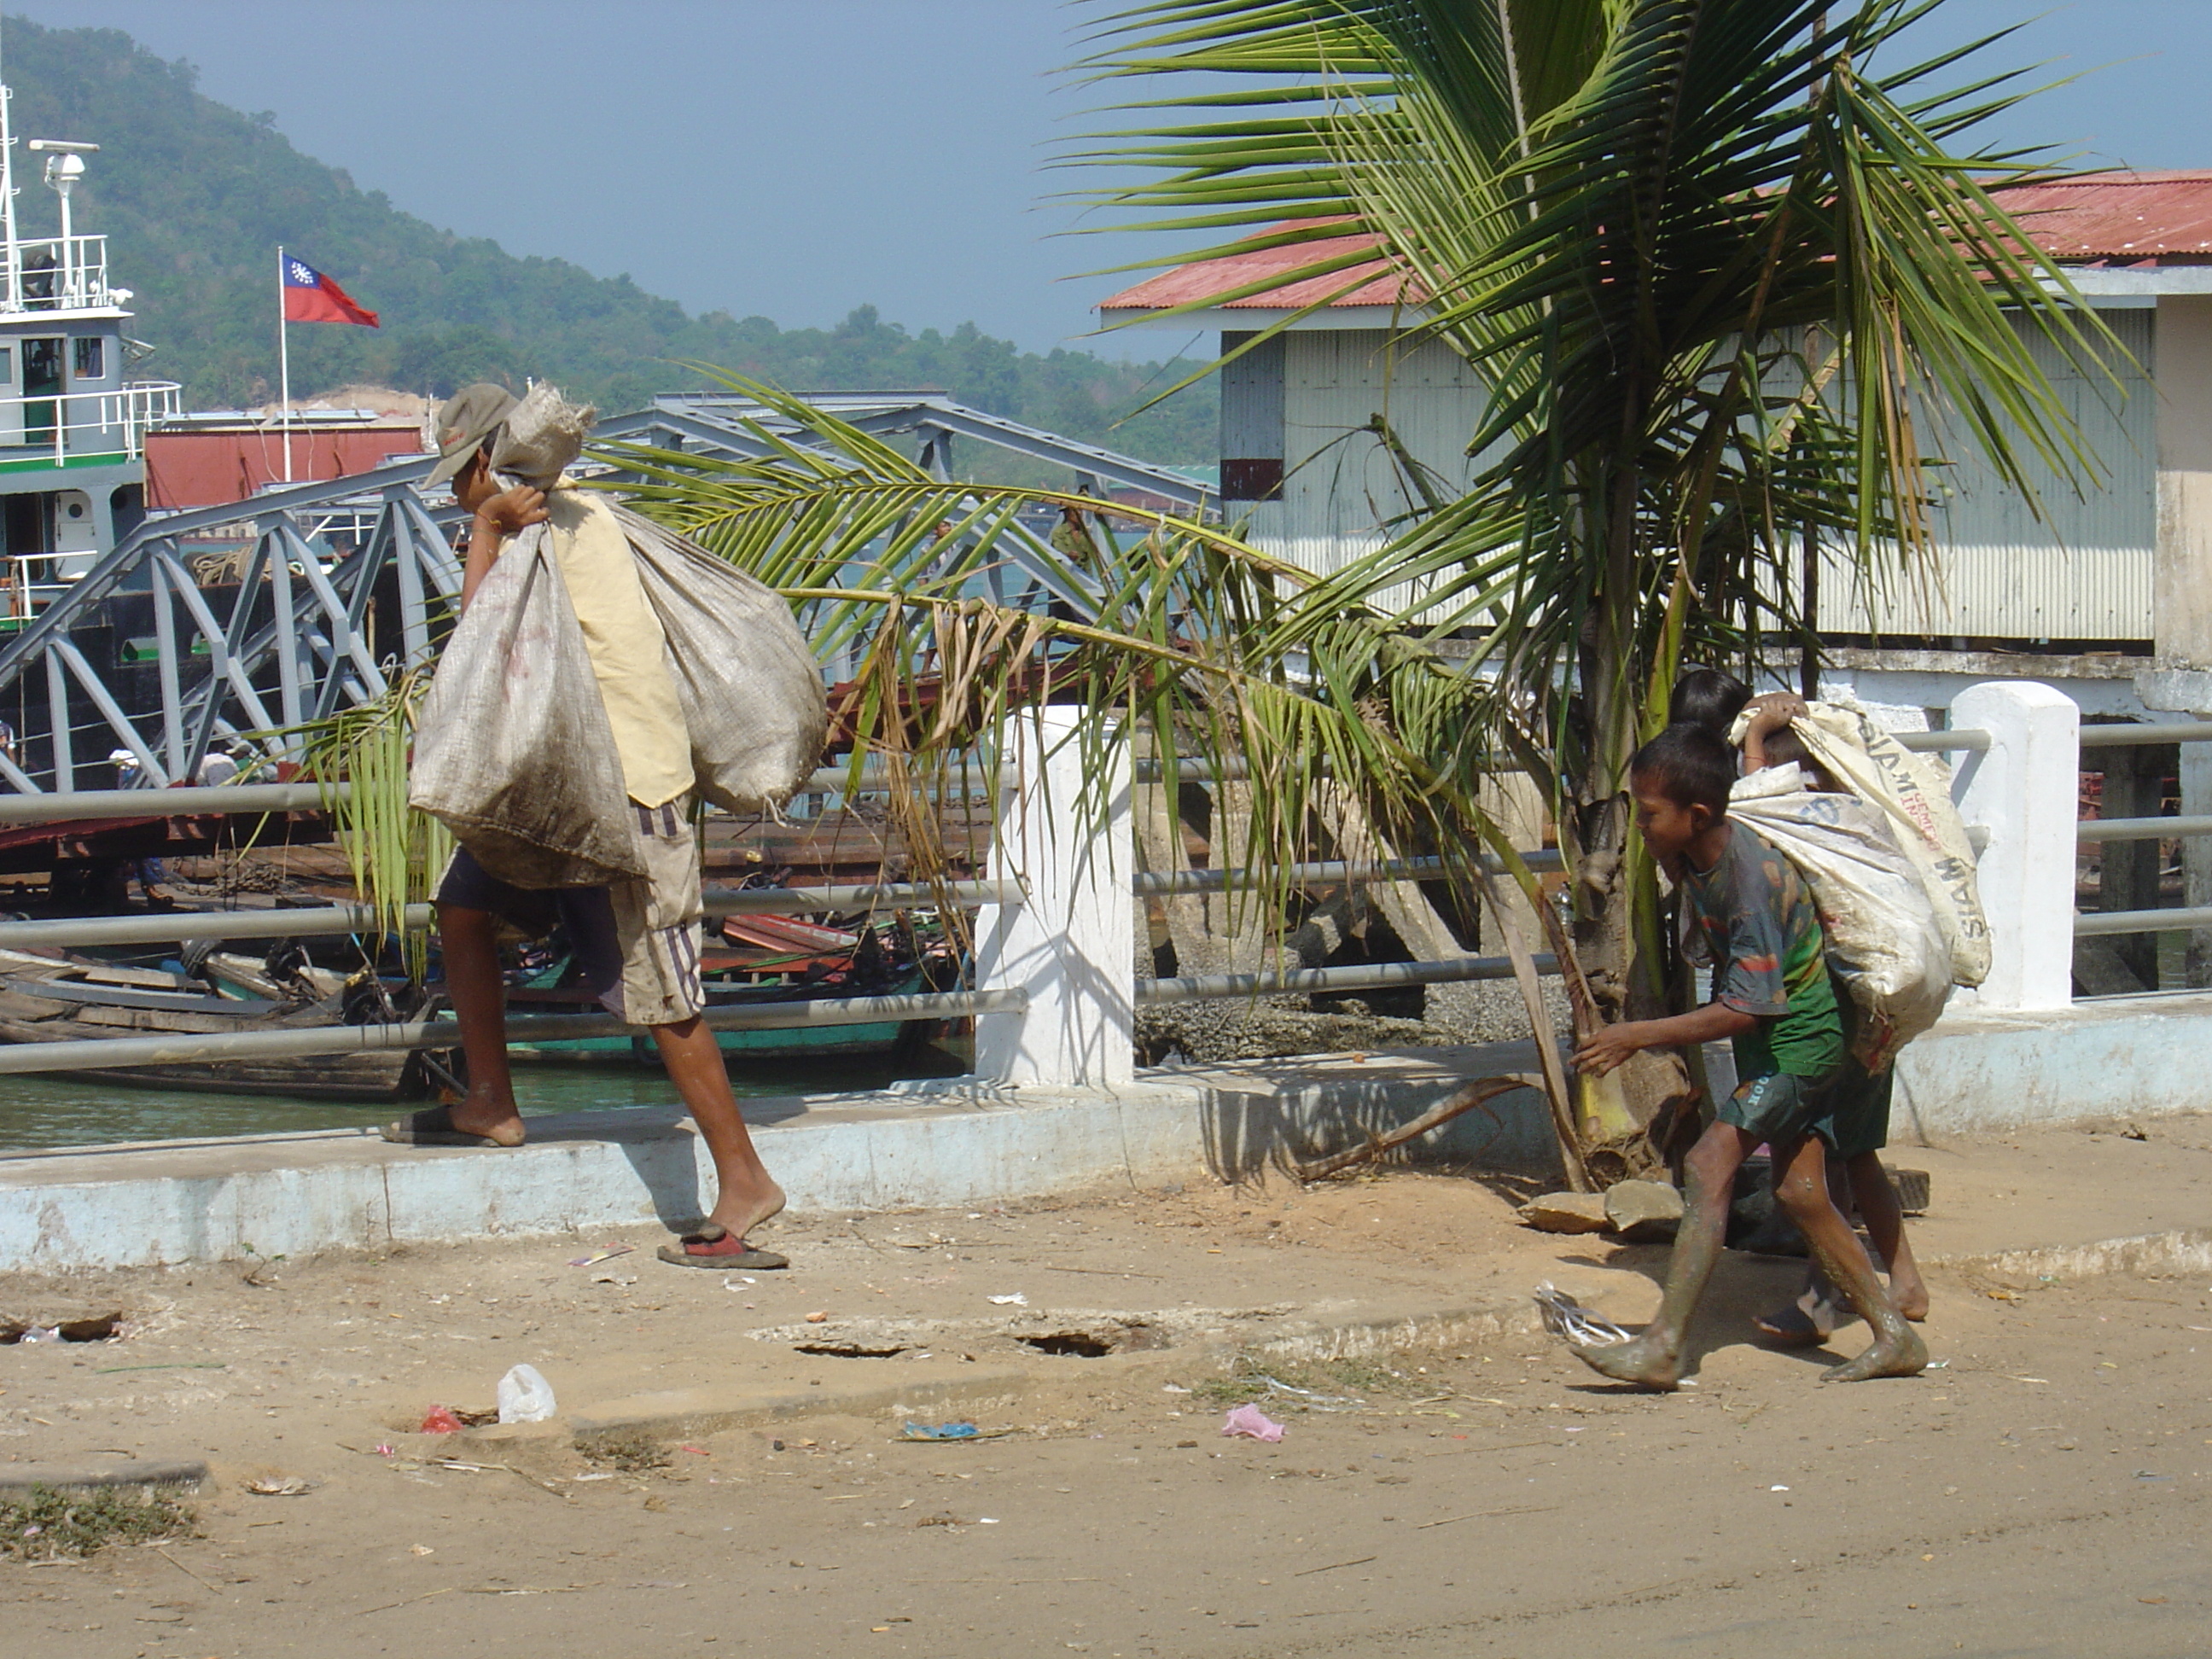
(1916, 795)
(541, 435)
(751, 693)
(513, 751)
(1884, 940)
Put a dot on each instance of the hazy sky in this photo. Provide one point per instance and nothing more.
(794, 158)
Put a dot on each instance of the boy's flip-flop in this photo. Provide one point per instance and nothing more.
(434, 1127)
(717, 1247)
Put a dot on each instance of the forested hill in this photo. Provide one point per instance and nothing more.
(196, 197)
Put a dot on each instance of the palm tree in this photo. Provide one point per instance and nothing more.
(1734, 295)
(1734, 289)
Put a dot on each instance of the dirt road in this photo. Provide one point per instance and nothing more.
(2045, 1490)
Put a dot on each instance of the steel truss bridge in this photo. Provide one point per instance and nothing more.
(205, 626)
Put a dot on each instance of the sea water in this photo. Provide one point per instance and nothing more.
(58, 1110)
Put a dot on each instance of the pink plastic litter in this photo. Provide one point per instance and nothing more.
(1253, 1424)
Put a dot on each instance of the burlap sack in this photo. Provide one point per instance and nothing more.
(1915, 793)
(512, 749)
(751, 692)
(1884, 941)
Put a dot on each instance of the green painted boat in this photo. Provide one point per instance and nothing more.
(790, 1043)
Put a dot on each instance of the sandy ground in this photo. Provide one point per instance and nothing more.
(1471, 1491)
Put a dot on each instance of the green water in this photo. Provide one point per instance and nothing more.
(63, 1111)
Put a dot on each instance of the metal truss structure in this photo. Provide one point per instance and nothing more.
(203, 626)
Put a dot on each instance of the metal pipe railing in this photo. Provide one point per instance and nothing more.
(1374, 976)
(180, 803)
(2087, 924)
(2093, 829)
(332, 921)
(1924, 743)
(108, 1053)
(2135, 735)
(203, 800)
(1163, 883)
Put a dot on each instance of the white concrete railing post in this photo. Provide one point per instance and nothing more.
(2025, 788)
(1065, 831)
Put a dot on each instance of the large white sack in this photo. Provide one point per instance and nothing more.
(513, 751)
(752, 694)
(1884, 941)
(1915, 793)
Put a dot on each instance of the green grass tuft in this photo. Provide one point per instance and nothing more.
(46, 1524)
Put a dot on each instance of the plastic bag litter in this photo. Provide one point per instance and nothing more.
(1884, 941)
(1566, 1318)
(1914, 792)
(440, 1420)
(1253, 1424)
(524, 1396)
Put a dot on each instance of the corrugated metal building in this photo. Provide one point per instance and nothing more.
(1300, 444)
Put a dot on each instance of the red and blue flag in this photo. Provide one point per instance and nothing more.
(311, 297)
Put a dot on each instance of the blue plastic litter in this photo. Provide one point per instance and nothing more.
(941, 1431)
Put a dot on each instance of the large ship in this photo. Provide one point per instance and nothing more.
(73, 420)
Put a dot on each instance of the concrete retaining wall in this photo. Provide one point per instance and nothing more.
(294, 1194)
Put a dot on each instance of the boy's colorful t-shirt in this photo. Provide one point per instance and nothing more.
(1768, 956)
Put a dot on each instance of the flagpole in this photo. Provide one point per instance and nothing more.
(285, 361)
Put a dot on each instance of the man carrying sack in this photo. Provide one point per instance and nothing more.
(576, 811)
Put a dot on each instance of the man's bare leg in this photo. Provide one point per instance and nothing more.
(1654, 1359)
(744, 1195)
(1897, 1350)
(469, 939)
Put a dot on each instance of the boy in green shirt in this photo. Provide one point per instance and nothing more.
(1772, 998)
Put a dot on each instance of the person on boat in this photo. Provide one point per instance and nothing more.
(638, 940)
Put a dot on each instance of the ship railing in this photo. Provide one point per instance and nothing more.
(76, 424)
(56, 273)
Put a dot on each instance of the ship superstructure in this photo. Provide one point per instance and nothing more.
(73, 419)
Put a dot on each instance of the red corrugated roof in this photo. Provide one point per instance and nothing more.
(2128, 217)
(1206, 278)
(2124, 218)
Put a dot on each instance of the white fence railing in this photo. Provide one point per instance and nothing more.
(56, 273)
(63, 424)
(1054, 994)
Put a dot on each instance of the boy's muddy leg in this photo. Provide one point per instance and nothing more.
(744, 1195)
(1885, 1223)
(1654, 1359)
(1897, 1350)
(468, 939)
(1820, 1312)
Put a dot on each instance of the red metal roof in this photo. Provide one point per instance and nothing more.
(2119, 218)
(1206, 278)
(2106, 218)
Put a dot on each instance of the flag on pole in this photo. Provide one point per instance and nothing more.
(311, 297)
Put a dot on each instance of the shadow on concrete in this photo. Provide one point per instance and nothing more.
(1274, 1117)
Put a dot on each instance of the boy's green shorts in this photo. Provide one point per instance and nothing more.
(1848, 1109)
(1858, 1110)
(1780, 1106)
